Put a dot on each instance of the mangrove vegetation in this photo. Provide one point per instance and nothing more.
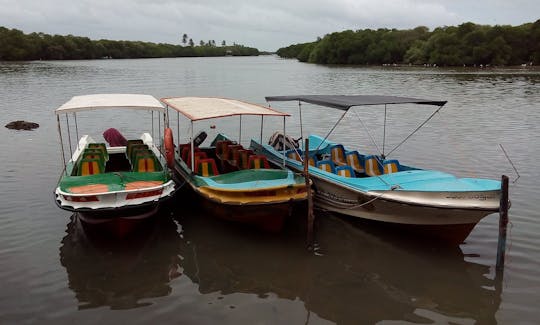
(16, 45)
(467, 44)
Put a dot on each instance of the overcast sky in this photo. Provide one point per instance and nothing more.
(264, 24)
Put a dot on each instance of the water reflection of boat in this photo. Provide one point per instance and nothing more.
(121, 274)
(360, 279)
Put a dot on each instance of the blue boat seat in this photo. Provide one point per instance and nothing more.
(373, 165)
(391, 166)
(312, 161)
(326, 165)
(345, 171)
(294, 154)
(337, 153)
(355, 161)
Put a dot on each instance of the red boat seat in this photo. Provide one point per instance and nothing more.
(206, 167)
(258, 161)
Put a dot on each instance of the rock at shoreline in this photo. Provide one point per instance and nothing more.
(22, 125)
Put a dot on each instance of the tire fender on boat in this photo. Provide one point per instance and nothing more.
(169, 147)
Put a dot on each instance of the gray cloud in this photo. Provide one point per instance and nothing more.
(264, 24)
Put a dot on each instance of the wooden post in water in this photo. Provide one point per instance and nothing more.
(503, 222)
(310, 217)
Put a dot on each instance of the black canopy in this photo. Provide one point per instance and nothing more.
(347, 101)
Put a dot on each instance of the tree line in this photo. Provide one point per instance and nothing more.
(467, 44)
(16, 45)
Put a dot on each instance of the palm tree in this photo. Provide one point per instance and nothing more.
(184, 39)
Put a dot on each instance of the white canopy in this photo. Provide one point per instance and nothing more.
(107, 101)
(201, 108)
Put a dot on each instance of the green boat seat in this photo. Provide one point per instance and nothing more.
(130, 145)
(90, 167)
(93, 155)
(146, 163)
(134, 148)
(100, 146)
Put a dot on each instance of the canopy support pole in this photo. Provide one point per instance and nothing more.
(192, 150)
(284, 137)
(503, 222)
(262, 125)
(69, 136)
(178, 127)
(384, 132)
(61, 142)
(76, 128)
(159, 132)
(301, 124)
(310, 216)
(152, 112)
(240, 132)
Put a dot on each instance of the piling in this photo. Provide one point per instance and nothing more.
(503, 223)
(310, 217)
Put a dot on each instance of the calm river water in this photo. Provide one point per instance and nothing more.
(189, 268)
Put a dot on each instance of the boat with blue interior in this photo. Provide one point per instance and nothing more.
(232, 181)
(118, 184)
(374, 187)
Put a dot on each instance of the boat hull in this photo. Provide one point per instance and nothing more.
(446, 215)
(118, 222)
(266, 208)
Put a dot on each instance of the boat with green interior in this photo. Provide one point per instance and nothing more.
(117, 183)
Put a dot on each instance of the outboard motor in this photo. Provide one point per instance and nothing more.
(199, 138)
(278, 141)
